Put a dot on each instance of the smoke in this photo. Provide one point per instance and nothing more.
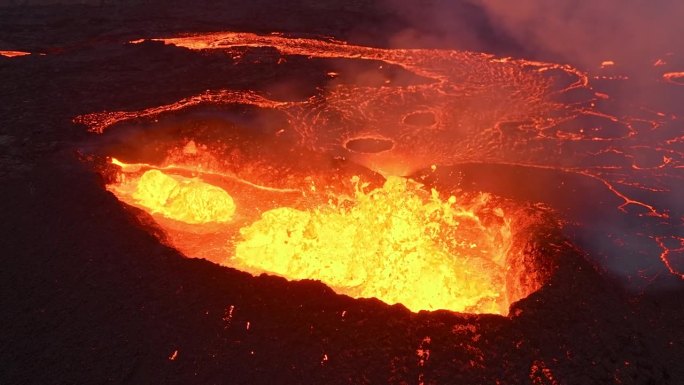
(579, 32)
(634, 35)
(447, 24)
(589, 32)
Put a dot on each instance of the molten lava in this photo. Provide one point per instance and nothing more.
(391, 243)
(182, 199)
(285, 207)
(398, 243)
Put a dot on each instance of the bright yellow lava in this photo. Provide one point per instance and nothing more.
(183, 199)
(396, 243)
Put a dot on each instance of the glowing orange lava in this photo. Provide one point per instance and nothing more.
(398, 243)
(445, 107)
(390, 243)
(182, 199)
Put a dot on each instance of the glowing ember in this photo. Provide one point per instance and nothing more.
(14, 53)
(674, 78)
(391, 243)
(186, 200)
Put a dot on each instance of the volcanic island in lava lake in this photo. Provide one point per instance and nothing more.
(251, 207)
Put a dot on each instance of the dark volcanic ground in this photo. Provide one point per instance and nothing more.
(89, 295)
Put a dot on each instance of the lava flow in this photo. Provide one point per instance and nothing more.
(285, 197)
